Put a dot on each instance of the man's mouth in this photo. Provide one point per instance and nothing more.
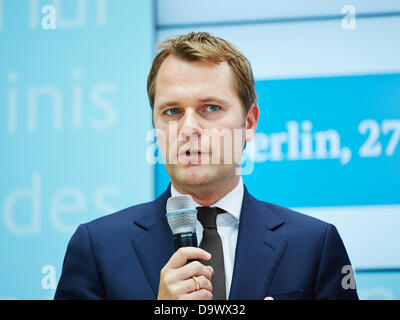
(189, 155)
(189, 152)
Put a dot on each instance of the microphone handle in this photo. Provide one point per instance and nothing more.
(185, 239)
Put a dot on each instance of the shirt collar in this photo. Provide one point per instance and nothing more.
(231, 202)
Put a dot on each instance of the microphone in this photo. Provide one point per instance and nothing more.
(182, 218)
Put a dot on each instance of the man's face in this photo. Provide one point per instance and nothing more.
(196, 109)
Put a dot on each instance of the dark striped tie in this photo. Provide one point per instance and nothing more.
(211, 242)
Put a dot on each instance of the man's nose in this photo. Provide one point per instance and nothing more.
(190, 125)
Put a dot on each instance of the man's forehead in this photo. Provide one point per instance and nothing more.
(173, 62)
(180, 79)
(174, 71)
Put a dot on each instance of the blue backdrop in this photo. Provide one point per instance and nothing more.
(73, 122)
(74, 119)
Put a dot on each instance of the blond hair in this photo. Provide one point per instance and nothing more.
(196, 46)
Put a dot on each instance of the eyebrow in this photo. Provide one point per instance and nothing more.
(206, 99)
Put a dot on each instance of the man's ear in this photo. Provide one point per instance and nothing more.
(252, 121)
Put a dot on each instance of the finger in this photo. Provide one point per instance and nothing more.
(211, 270)
(202, 294)
(194, 268)
(182, 255)
(190, 285)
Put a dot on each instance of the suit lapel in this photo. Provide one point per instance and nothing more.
(258, 250)
(153, 241)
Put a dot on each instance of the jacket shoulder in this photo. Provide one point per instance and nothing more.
(295, 221)
(295, 216)
(120, 219)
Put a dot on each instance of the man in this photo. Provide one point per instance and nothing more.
(201, 89)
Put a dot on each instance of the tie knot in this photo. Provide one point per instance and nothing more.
(208, 216)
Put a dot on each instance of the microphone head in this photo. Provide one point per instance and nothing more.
(181, 214)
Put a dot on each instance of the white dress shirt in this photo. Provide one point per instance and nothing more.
(227, 227)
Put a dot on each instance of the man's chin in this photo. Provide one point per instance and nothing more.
(194, 175)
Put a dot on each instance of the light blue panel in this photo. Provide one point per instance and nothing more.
(375, 285)
(73, 126)
(173, 12)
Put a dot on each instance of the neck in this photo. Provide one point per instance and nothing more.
(207, 195)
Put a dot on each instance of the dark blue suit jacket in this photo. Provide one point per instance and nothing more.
(279, 253)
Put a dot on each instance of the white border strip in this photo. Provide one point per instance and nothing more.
(314, 49)
(371, 234)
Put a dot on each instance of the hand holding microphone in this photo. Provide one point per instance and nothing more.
(184, 277)
(176, 278)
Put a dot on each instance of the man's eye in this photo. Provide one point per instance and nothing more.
(172, 111)
(212, 107)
